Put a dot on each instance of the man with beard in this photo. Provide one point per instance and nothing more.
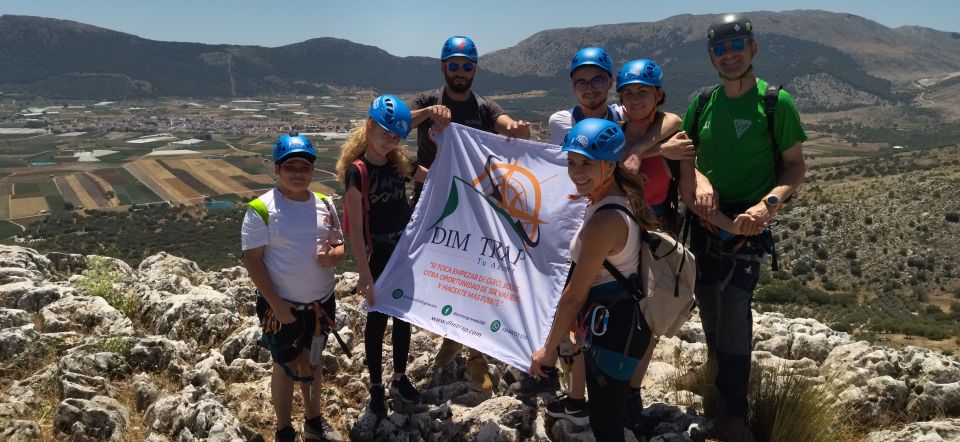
(433, 111)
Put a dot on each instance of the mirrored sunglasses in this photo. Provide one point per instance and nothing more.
(735, 45)
(454, 67)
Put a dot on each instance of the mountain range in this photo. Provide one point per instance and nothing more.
(830, 61)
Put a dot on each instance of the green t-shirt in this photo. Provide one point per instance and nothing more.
(735, 150)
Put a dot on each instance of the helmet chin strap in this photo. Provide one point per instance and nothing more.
(740, 77)
(595, 195)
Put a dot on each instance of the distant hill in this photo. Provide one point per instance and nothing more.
(65, 59)
(830, 61)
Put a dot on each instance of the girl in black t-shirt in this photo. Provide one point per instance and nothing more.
(372, 158)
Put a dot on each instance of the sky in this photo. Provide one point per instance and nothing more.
(415, 27)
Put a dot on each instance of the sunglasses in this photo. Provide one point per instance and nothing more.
(735, 45)
(297, 169)
(598, 82)
(454, 67)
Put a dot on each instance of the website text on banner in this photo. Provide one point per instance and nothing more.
(485, 256)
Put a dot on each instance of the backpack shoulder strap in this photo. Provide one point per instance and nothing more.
(260, 207)
(625, 282)
(702, 98)
(770, 97)
(365, 199)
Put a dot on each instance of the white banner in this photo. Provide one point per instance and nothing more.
(485, 256)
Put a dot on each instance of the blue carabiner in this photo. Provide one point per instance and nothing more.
(605, 315)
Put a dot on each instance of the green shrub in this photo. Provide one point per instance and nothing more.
(120, 345)
(99, 280)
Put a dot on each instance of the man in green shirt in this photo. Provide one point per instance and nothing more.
(739, 177)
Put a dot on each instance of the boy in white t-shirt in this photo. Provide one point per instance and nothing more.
(291, 240)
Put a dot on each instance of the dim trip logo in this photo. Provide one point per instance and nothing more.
(397, 294)
(446, 310)
(512, 191)
(461, 44)
(495, 326)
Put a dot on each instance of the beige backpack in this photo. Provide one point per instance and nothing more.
(664, 282)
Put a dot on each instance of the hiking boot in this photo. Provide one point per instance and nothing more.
(530, 385)
(285, 434)
(403, 390)
(477, 375)
(318, 428)
(572, 410)
(449, 349)
(378, 403)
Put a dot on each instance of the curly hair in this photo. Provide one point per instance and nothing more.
(356, 144)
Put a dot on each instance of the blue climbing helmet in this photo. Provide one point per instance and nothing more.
(596, 138)
(293, 145)
(392, 114)
(459, 46)
(645, 72)
(591, 57)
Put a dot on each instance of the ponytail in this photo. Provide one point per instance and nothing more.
(632, 187)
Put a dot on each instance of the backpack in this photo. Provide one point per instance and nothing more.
(365, 199)
(664, 282)
(260, 207)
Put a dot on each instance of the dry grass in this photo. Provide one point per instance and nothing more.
(784, 406)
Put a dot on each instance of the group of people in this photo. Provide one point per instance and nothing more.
(734, 158)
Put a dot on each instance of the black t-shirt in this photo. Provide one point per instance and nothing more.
(467, 113)
(389, 210)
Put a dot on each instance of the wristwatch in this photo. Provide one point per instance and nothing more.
(771, 201)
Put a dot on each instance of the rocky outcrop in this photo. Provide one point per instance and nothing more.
(188, 364)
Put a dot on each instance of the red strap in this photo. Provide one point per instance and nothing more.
(365, 199)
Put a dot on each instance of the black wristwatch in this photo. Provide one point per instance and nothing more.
(771, 201)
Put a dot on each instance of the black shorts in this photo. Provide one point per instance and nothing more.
(292, 339)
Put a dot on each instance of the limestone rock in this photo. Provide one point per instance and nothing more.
(19, 429)
(11, 317)
(88, 314)
(98, 419)
(941, 430)
(202, 315)
(14, 342)
(165, 272)
(155, 353)
(88, 360)
(67, 263)
(192, 413)
(26, 259)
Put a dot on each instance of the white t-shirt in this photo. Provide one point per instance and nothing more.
(296, 229)
(629, 258)
(562, 121)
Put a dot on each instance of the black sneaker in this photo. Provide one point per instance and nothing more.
(285, 434)
(318, 428)
(402, 389)
(572, 410)
(530, 385)
(378, 403)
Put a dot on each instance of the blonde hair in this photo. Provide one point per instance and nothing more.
(632, 186)
(356, 145)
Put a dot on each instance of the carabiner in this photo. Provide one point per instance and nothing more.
(604, 316)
